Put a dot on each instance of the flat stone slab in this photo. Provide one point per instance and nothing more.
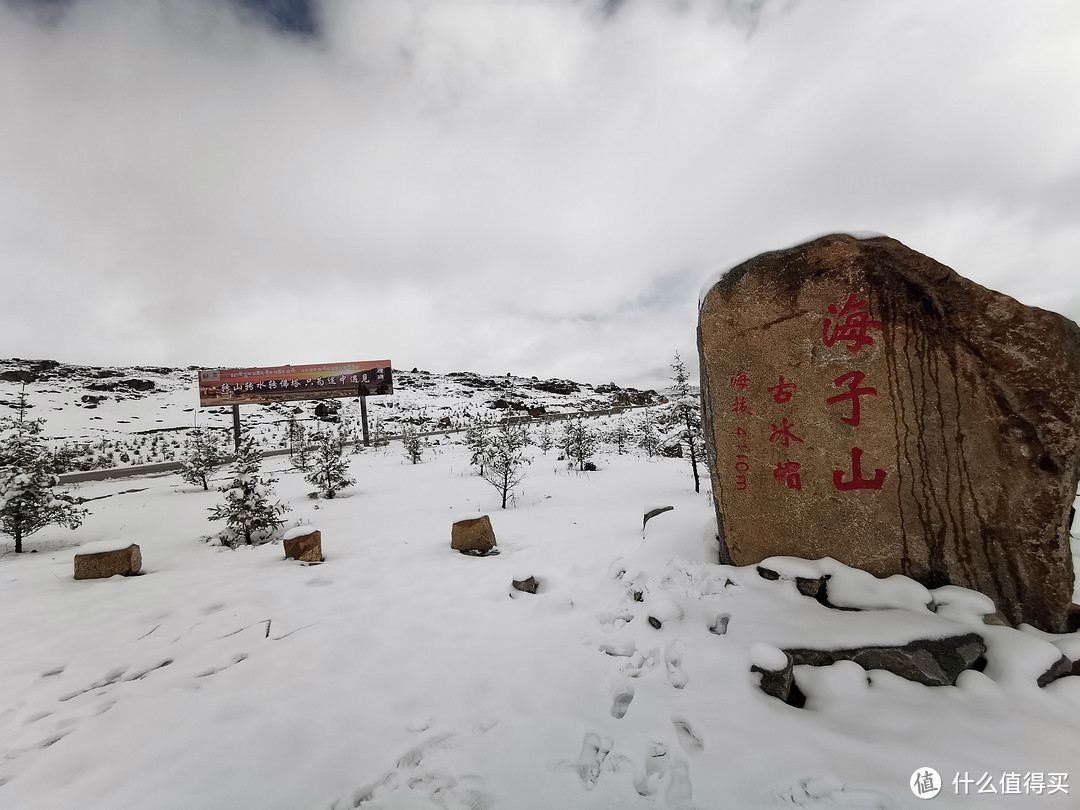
(866, 403)
(107, 559)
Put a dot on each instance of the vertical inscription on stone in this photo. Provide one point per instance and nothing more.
(866, 403)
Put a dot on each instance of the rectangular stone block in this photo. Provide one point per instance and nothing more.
(305, 546)
(96, 561)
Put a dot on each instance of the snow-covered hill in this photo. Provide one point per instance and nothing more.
(124, 416)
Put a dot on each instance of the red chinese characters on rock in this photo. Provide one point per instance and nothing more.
(742, 460)
(783, 433)
(852, 378)
(783, 391)
(857, 481)
(854, 329)
(740, 381)
(787, 472)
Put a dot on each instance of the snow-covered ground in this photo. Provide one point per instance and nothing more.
(401, 674)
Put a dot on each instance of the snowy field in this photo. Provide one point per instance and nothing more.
(401, 674)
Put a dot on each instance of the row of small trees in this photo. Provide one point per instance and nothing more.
(29, 470)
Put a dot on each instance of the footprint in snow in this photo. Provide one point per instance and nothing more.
(673, 655)
(594, 751)
(110, 678)
(825, 793)
(667, 774)
(657, 765)
(719, 627)
(415, 755)
(623, 695)
(411, 785)
(690, 741)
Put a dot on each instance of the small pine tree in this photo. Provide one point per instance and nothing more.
(300, 452)
(249, 510)
(412, 443)
(567, 438)
(477, 440)
(202, 455)
(545, 440)
(28, 480)
(378, 435)
(648, 437)
(506, 458)
(685, 416)
(582, 442)
(619, 435)
(329, 470)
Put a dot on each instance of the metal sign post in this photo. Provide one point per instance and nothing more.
(236, 427)
(363, 419)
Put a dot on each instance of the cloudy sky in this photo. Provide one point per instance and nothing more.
(529, 186)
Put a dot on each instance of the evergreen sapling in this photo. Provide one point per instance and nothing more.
(506, 460)
(28, 481)
(545, 440)
(685, 417)
(202, 455)
(249, 510)
(476, 439)
(329, 469)
(412, 443)
(648, 437)
(582, 442)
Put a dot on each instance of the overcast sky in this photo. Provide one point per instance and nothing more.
(530, 186)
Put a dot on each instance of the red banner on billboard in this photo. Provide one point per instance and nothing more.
(251, 386)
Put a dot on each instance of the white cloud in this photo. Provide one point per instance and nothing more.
(507, 186)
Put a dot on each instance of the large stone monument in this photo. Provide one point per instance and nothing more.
(866, 403)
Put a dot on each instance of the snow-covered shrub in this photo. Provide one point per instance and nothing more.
(249, 510)
(412, 443)
(620, 435)
(477, 440)
(581, 442)
(202, 455)
(684, 417)
(28, 497)
(505, 458)
(329, 469)
(545, 438)
(647, 436)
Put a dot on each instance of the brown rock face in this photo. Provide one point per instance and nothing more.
(866, 403)
(103, 564)
(305, 548)
(475, 535)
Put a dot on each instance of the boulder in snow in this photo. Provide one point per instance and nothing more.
(931, 662)
(473, 536)
(304, 544)
(866, 403)
(527, 585)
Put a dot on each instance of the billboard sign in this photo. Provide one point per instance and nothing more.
(262, 386)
